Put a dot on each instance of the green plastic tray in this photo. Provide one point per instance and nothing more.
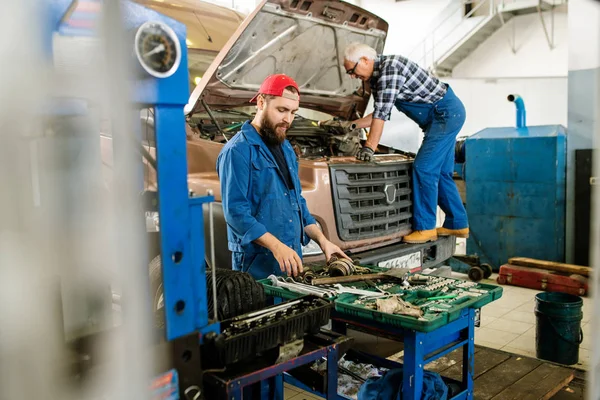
(275, 291)
(429, 322)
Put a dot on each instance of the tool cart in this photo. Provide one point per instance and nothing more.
(438, 316)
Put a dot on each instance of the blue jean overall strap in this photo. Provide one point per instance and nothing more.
(434, 164)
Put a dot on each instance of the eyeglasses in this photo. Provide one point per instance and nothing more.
(352, 71)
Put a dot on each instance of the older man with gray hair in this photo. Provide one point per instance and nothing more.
(397, 81)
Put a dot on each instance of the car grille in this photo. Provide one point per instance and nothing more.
(371, 200)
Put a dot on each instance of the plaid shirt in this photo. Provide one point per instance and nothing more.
(398, 78)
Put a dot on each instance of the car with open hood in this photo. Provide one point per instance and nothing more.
(365, 208)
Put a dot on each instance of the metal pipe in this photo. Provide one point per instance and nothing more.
(212, 255)
(521, 113)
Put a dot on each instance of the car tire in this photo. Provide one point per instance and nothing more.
(237, 293)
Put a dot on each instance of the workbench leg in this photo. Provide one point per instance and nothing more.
(413, 365)
(270, 388)
(234, 393)
(332, 372)
(278, 387)
(469, 357)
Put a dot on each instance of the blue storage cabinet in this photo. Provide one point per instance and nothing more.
(516, 189)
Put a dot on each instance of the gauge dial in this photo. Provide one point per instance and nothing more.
(157, 49)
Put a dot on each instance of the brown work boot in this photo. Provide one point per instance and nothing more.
(460, 233)
(421, 236)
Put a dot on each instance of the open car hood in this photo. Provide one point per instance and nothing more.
(304, 39)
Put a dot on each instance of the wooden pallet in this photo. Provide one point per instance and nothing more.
(504, 376)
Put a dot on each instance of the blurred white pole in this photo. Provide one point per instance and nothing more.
(31, 331)
(131, 263)
(587, 15)
(58, 222)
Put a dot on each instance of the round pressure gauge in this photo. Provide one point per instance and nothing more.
(157, 49)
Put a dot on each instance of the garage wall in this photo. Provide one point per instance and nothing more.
(409, 21)
(533, 58)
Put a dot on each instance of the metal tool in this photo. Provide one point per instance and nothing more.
(300, 288)
(395, 273)
(343, 289)
(340, 267)
(374, 286)
(267, 310)
(448, 296)
(332, 292)
(248, 321)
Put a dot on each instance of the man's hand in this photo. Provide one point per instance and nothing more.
(288, 260)
(331, 249)
(365, 154)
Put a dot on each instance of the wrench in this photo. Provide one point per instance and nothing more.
(342, 289)
(330, 292)
(298, 288)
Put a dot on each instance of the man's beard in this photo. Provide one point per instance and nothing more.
(269, 131)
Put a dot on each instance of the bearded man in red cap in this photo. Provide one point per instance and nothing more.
(267, 217)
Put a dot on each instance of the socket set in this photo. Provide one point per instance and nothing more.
(424, 282)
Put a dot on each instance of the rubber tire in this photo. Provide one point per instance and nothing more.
(475, 274)
(238, 293)
(155, 272)
(487, 270)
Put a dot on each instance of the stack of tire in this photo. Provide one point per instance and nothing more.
(237, 293)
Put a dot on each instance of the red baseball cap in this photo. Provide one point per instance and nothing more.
(274, 85)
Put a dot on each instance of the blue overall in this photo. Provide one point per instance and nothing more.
(434, 165)
(256, 200)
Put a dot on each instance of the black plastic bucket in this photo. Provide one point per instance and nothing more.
(558, 329)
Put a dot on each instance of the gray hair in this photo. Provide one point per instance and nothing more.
(356, 51)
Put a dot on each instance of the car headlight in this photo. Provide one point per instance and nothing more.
(312, 248)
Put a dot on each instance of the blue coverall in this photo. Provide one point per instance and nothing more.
(256, 200)
(434, 164)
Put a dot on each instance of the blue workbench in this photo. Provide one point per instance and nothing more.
(420, 348)
(242, 383)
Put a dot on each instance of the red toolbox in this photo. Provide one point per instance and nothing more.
(541, 279)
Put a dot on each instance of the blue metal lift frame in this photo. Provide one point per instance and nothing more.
(181, 217)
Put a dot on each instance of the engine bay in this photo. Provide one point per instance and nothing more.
(308, 139)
